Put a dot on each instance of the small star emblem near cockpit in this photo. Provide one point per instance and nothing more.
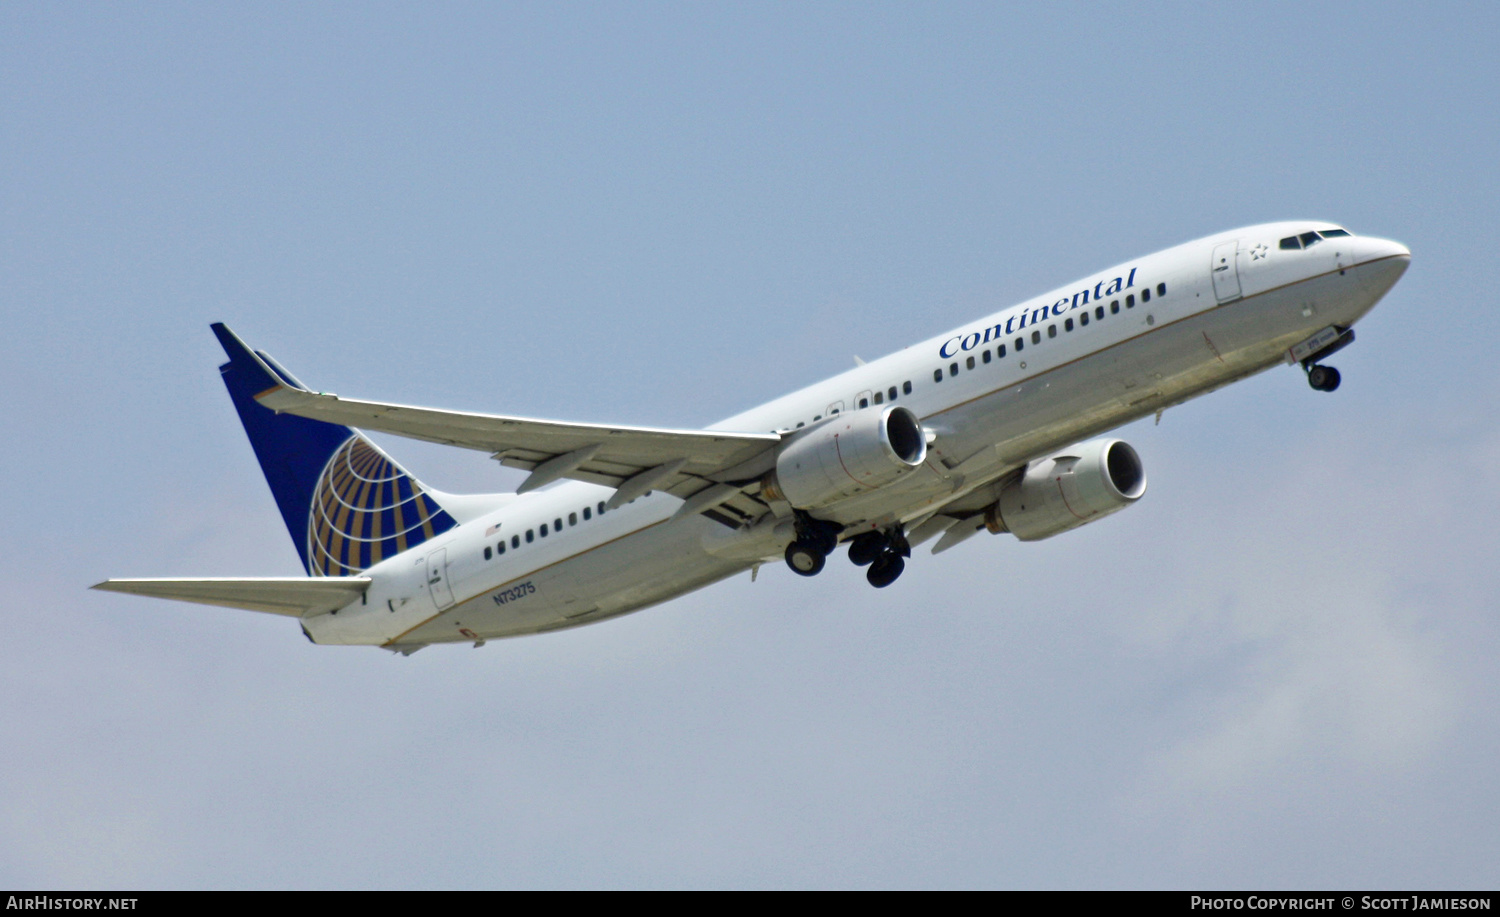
(1260, 251)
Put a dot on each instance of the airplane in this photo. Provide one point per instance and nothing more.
(994, 426)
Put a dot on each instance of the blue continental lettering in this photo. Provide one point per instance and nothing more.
(1036, 314)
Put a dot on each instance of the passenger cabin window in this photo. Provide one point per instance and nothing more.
(906, 388)
(1083, 319)
(515, 541)
(880, 397)
(587, 515)
(530, 536)
(1068, 325)
(572, 518)
(969, 363)
(1051, 331)
(987, 356)
(1114, 307)
(486, 552)
(892, 392)
(500, 548)
(952, 369)
(937, 375)
(1000, 351)
(1036, 337)
(1146, 295)
(864, 402)
(1020, 345)
(1161, 289)
(542, 530)
(1130, 301)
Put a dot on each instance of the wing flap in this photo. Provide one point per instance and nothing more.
(294, 596)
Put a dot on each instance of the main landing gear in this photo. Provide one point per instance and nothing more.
(884, 552)
(816, 540)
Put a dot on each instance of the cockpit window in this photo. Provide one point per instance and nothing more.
(1309, 239)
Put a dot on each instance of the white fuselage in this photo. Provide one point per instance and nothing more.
(1078, 361)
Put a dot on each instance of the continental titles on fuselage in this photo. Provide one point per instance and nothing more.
(1036, 314)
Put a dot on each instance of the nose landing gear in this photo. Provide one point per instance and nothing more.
(1320, 347)
(1323, 378)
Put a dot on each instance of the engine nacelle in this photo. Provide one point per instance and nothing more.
(849, 454)
(1063, 491)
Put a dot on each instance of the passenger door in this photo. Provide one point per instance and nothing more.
(1226, 273)
(437, 578)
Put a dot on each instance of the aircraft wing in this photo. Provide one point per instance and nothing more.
(686, 463)
(295, 596)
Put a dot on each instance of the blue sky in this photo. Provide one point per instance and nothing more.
(1275, 671)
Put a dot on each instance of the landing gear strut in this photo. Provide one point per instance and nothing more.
(884, 552)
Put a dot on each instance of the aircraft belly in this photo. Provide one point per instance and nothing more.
(652, 565)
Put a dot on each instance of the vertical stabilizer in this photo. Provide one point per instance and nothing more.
(347, 504)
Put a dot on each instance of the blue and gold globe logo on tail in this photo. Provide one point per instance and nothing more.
(365, 508)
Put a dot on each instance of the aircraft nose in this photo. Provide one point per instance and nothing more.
(1369, 248)
(1381, 262)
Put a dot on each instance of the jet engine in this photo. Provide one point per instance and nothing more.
(1064, 490)
(848, 454)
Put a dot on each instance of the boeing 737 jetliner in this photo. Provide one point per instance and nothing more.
(988, 427)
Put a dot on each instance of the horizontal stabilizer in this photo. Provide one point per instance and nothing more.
(295, 596)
